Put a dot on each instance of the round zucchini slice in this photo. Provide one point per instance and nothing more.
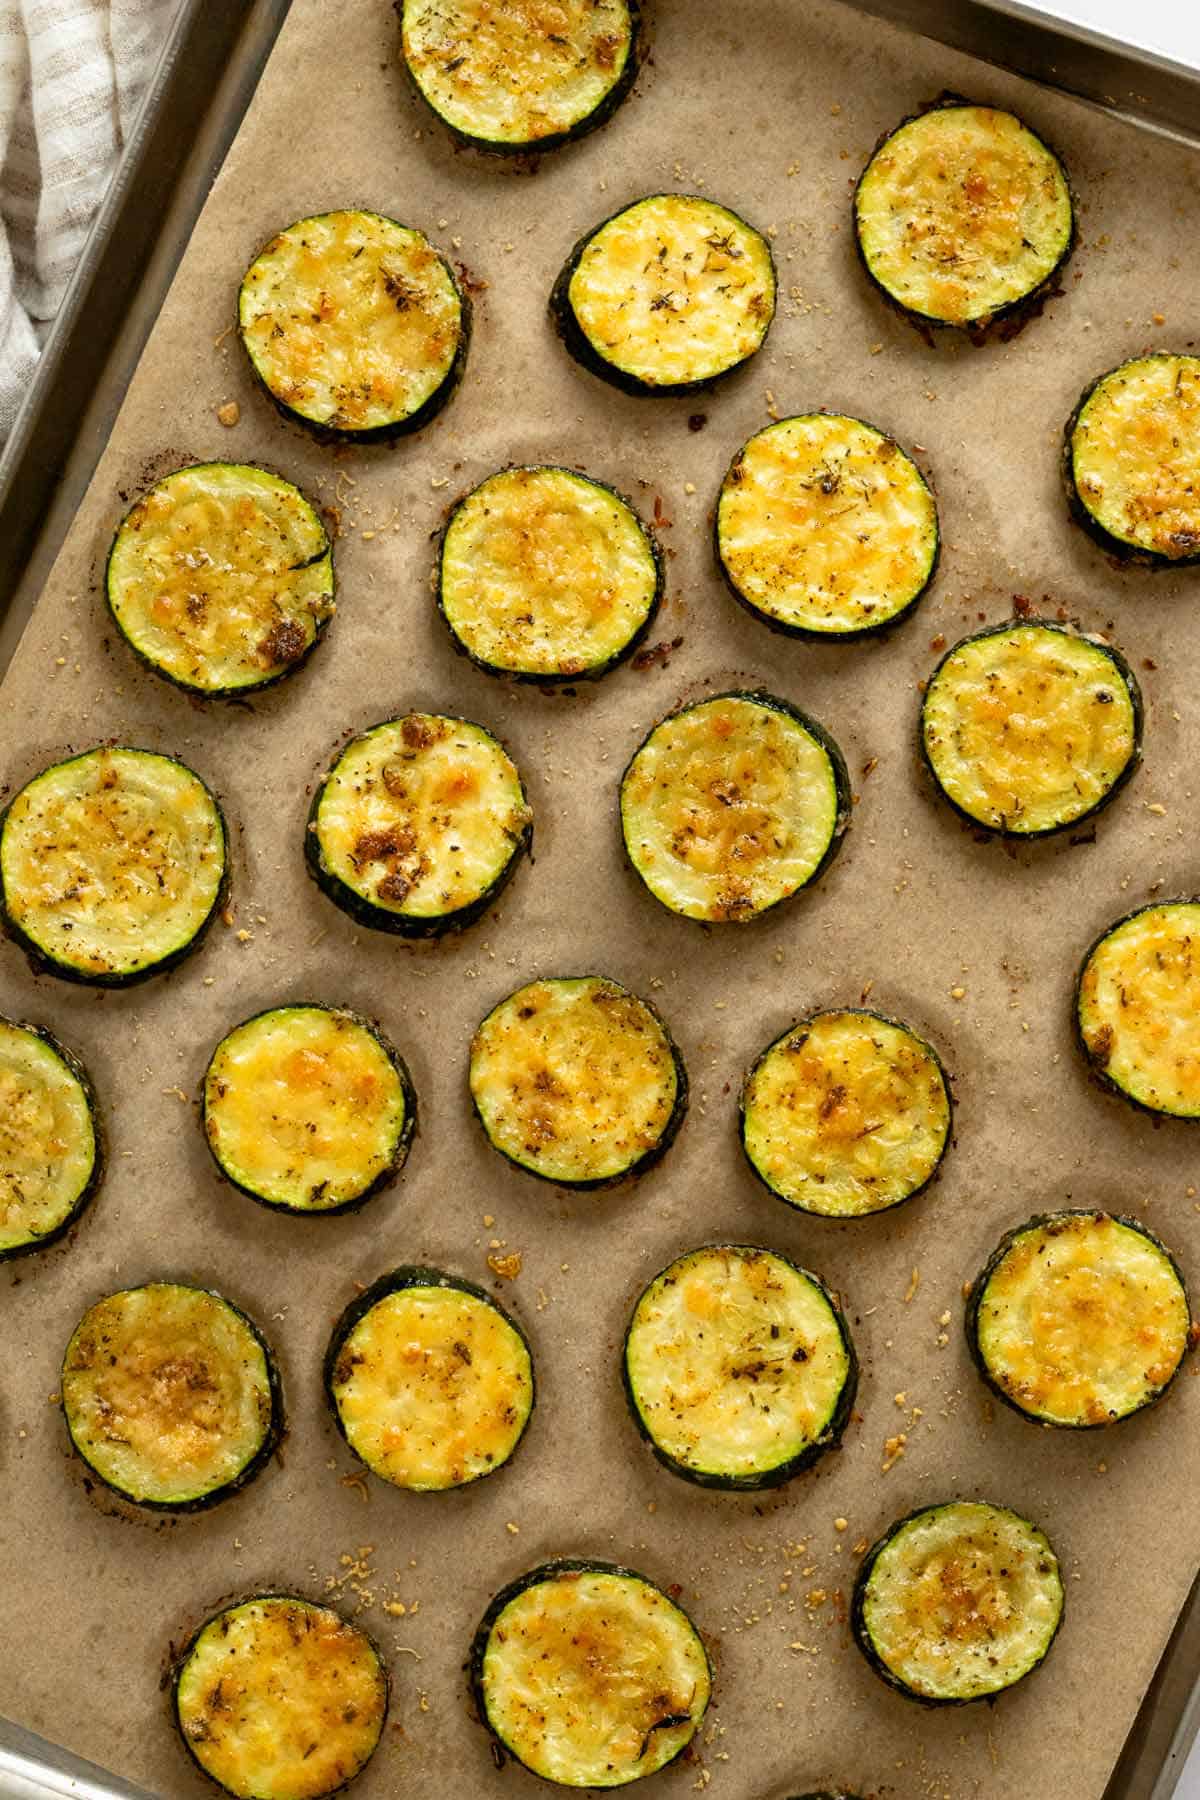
(957, 1602)
(430, 1380)
(280, 1699)
(578, 1081)
(1137, 1007)
(418, 825)
(51, 1158)
(529, 77)
(112, 865)
(354, 324)
(1028, 728)
(589, 1675)
(962, 216)
(170, 1395)
(1079, 1319)
(547, 575)
(1132, 460)
(733, 804)
(739, 1368)
(667, 295)
(846, 1114)
(220, 578)
(308, 1108)
(825, 528)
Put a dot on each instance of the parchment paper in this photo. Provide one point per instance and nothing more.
(773, 110)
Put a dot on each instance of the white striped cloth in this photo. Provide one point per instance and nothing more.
(72, 75)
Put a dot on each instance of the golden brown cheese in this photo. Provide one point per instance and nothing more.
(1135, 455)
(48, 1144)
(1139, 1007)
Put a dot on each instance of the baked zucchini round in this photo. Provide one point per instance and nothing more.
(825, 528)
(547, 575)
(667, 295)
(957, 1602)
(1028, 728)
(1079, 1319)
(739, 1368)
(308, 1108)
(588, 1674)
(962, 216)
(220, 578)
(418, 825)
(170, 1395)
(112, 865)
(277, 1698)
(51, 1154)
(354, 324)
(733, 804)
(430, 1380)
(1137, 1007)
(578, 1081)
(1131, 460)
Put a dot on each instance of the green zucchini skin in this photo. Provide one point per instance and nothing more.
(99, 1142)
(1121, 549)
(1097, 1067)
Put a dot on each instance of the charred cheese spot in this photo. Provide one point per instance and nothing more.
(1138, 1007)
(1133, 453)
(49, 1154)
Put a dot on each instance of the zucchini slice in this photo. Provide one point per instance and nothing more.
(588, 1674)
(848, 1113)
(280, 1699)
(577, 1080)
(418, 825)
(825, 528)
(1029, 728)
(739, 1368)
(430, 1380)
(527, 77)
(1137, 1007)
(548, 575)
(51, 1157)
(733, 804)
(308, 1108)
(1079, 1319)
(957, 1602)
(170, 1395)
(962, 216)
(1132, 460)
(354, 324)
(667, 295)
(112, 865)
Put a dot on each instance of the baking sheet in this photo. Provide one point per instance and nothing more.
(772, 113)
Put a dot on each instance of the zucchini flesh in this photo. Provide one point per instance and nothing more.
(957, 1602)
(169, 1395)
(50, 1157)
(221, 577)
(826, 527)
(1133, 459)
(112, 864)
(547, 574)
(589, 1675)
(1029, 728)
(1138, 1007)
(963, 214)
(279, 1699)
(576, 1080)
(1079, 1319)
(738, 1367)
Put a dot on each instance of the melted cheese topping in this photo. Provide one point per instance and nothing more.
(221, 576)
(351, 321)
(728, 807)
(574, 1079)
(166, 1392)
(422, 815)
(1139, 1007)
(594, 1679)
(962, 1601)
(516, 72)
(846, 1114)
(826, 525)
(961, 212)
(281, 1700)
(1027, 728)
(1083, 1320)
(433, 1387)
(47, 1138)
(674, 290)
(112, 862)
(1135, 455)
